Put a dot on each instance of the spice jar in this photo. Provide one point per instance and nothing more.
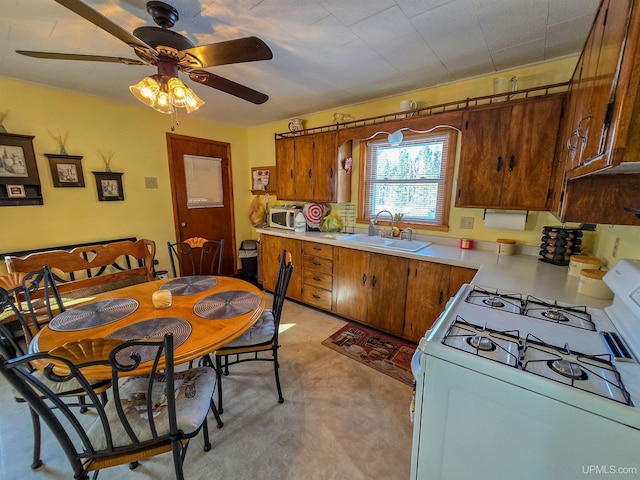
(505, 246)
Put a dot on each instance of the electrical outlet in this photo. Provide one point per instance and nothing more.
(466, 222)
(614, 251)
(151, 182)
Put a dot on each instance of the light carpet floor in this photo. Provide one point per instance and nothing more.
(340, 420)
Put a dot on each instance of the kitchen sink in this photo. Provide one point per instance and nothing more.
(384, 242)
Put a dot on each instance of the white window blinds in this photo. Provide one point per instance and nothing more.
(409, 179)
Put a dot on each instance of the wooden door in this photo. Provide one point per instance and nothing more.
(350, 277)
(324, 171)
(427, 295)
(529, 163)
(482, 157)
(191, 219)
(387, 290)
(285, 169)
(304, 168)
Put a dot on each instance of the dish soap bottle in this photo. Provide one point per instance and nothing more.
(300, 223)
(372, 228)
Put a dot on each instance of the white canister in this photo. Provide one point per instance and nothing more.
(505, 246)
(577, 263)
(592, 285)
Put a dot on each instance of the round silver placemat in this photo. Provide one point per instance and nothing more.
(93, 314)
(190, 285)
(226, 304)
(155, 329)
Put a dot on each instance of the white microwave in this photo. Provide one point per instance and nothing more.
(283, 217)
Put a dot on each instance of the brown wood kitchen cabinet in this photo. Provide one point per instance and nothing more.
(429, 287)
(309, 167)
(370, 288)
(271, 249)
(317, 275)
(506, 158)
(599, 143)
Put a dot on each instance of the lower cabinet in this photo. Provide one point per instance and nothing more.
(429, 287)
(271, 249)
(393, 294)
(368, 287)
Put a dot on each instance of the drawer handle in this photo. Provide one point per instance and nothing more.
(317, 264)
(511, 162)
(316, 296)
(317, 249)
(364, 278)
(316, 279)
(374, 280)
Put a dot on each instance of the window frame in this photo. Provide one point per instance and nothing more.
(452, 153)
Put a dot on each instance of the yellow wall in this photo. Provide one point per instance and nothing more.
(137, 136)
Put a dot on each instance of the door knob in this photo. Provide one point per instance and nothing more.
(183, 224)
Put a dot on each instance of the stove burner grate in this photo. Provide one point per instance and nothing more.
(550, 311)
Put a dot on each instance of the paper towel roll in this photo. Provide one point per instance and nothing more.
(505, 221)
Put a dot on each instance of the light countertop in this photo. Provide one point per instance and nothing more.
(522, 273)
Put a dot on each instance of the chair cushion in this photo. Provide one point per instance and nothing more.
(194, 389)
(261, 332)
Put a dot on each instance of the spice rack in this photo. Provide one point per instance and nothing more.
(558, 244)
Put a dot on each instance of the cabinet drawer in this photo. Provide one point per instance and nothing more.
(318, 279)
(317, 249)
(319, 264)
(316, 297)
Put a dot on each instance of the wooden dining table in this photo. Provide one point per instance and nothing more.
(206, 313)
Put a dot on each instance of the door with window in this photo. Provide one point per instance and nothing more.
(201, 187)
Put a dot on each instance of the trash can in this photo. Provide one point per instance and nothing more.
(249, 258)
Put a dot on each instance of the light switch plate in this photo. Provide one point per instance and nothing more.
(466, 222)
(151, 182)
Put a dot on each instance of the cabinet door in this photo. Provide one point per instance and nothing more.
(324, 167)
(458, 277)
(272, 248)
(350, 279)
(427, 295)
(482, 162)
(529, 163)
(285, 169)
(387, 290)
(304, 168)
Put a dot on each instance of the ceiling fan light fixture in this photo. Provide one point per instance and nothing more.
(194, 102)
(163, 103)
(146, 90)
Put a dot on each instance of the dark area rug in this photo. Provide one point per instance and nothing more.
(385, 353)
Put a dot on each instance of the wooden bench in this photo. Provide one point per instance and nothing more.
(92, 269)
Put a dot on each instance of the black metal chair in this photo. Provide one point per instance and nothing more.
(196, 256)
(42, 297)
(11, 347)
(261, 337)
(146, 415)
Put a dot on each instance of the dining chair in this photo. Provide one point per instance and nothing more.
(42, 297)
(11, 346)
(261, 337)
(145, 416)
(196, 256)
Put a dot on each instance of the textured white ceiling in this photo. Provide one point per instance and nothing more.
(326, 53)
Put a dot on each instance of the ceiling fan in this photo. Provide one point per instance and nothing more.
(170, 52)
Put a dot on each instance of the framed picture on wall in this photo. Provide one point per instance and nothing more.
(17, 160)
(109, 186)
(66, 170)
(16, 191)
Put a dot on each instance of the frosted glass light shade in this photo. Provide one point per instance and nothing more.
(145, 90)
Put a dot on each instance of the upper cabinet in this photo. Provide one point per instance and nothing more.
(506, 159)
(599, 145)
(310, 168)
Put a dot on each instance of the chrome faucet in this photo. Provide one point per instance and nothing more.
(392, 220)
(408, 233)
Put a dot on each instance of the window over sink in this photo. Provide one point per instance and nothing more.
(412, 180)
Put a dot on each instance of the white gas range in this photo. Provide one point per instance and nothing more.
(506, 383)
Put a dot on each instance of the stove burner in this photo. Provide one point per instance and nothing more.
(556, 315)
(481, 343)
(493, 302)
(567, 369)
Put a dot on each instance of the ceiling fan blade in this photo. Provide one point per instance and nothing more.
(228, 86)
(73, 56)
(248, 49)
(88, 13)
